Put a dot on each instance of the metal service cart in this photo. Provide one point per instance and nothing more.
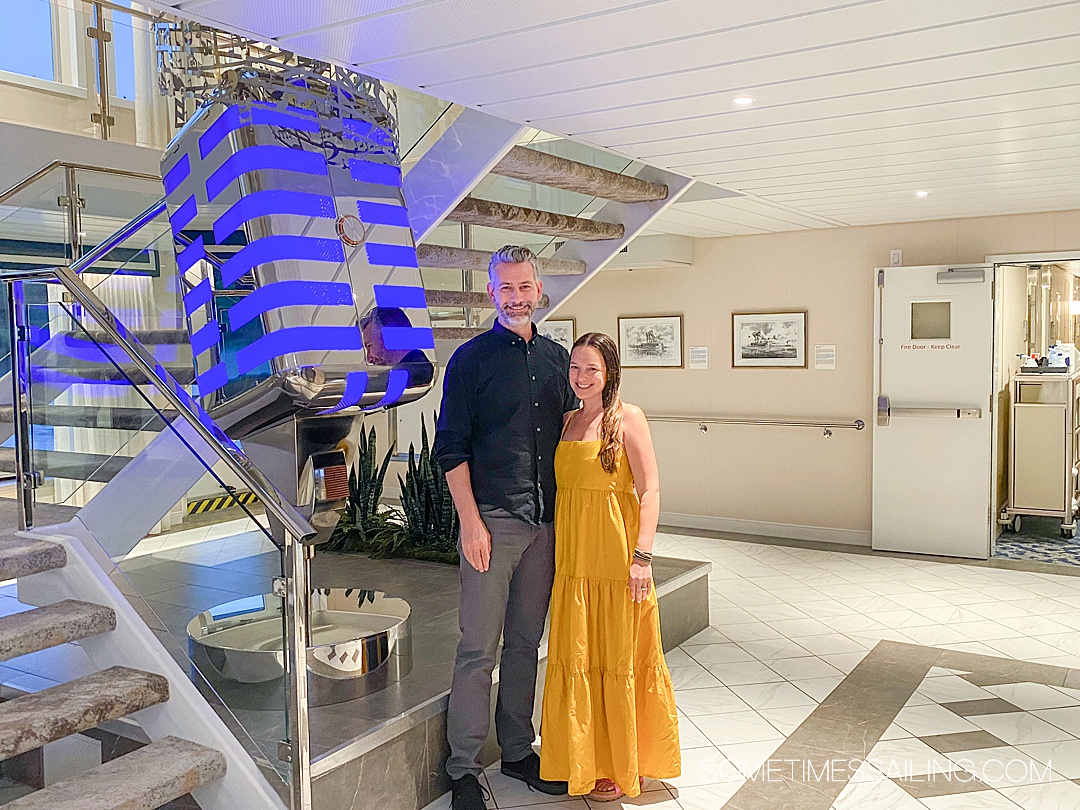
(1043, 449)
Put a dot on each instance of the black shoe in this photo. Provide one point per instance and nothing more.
(528, 771)
(468, 794)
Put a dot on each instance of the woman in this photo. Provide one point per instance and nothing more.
(609, 716)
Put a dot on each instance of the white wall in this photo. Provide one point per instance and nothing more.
(769, 480)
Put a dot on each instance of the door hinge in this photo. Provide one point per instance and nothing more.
(65, 201)
(881, 278)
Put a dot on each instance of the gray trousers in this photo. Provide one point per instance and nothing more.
(510, 600)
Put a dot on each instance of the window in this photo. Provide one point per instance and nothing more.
(931, 320)
(26, 39)
(123, 51)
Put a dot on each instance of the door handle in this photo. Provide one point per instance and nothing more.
(885, 412)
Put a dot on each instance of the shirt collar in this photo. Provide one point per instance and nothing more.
(511, 337)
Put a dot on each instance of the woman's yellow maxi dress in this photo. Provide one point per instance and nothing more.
(609, 707)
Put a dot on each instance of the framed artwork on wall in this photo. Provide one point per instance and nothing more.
(563, 332)
(653, 341)
(768, 339)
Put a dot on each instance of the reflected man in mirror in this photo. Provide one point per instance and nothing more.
(421, 371)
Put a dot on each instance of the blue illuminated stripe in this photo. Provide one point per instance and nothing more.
(288, 294)
(274, 201)
(408, 337)
(199, 297)
(177, 174)
(297, 339)
(391, 255)
(354, 129)
(392, 295)
(183, 215)
(207, 337)
(395, 387)
(279, 248)
(257, 158)
(231, 120)
(186, 259)
(212, 379)
(355, 387)
(372, 213)
(379, 173)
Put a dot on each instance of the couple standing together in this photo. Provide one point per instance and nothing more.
(509, 431)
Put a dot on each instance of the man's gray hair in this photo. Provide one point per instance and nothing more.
(512, 254)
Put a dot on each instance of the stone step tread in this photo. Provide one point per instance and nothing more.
(142, 780)
(455, 258)
(185, 375)
(69, 465)
(92, 416)
(33, 720)
(150, 337)
(491, 214)
(545, 169)
(458, 332)
(21, 556)
(53, 625)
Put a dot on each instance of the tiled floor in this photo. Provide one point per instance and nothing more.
(1039, 540)
(944, 716)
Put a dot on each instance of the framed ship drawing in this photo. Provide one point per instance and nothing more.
(651, 342)
(768, 339)
(563, 332)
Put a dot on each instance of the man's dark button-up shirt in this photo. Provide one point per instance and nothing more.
(503, 403)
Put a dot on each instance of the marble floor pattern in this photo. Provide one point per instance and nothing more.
(850, 681)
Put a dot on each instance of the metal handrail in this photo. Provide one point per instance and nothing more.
(26, 182)
(856, 424)
(178, 399)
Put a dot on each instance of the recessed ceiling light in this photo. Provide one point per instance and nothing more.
(743, 101)
(922, 193)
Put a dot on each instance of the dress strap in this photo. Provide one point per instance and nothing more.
(566, 423)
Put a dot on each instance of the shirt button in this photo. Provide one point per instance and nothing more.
(534, 379)
(539, 457)
(538, 430)
(536, 404)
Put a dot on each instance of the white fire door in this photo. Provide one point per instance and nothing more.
(933, 378)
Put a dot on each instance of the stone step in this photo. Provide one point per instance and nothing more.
(142, 780)
(474, 211)
(551, 170)
(92, 416)
(51, 626)
(21, 557)
(185, 375)
(455, 258)
(458, 332)
(472, 300)
(33, 720)
(149, 337)
(69, 465)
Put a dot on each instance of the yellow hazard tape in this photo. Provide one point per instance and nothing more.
(221, 502)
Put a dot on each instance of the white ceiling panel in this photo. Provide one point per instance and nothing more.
(857, 103)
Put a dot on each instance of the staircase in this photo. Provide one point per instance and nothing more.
(153, 776)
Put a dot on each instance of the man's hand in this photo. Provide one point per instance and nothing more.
(476, 544)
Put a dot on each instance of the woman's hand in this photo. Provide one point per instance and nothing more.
(640, 581)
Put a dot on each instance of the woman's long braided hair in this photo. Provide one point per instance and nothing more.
(611, 423)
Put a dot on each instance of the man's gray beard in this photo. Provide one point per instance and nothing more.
(517, 318)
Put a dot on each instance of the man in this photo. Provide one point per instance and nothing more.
(503, 402)
(415, 362)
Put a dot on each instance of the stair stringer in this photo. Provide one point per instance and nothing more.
(133, 644)
(454, 165)
(635, 218)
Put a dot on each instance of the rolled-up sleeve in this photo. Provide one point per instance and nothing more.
(453, 434)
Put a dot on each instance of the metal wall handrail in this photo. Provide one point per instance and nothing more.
(64, 164)
(855, 424)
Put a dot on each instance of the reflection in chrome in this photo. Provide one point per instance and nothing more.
(360, 642)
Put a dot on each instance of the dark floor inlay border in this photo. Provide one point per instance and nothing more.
(974, 708)
(813, 766)
(940, 784)
(963, 741)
